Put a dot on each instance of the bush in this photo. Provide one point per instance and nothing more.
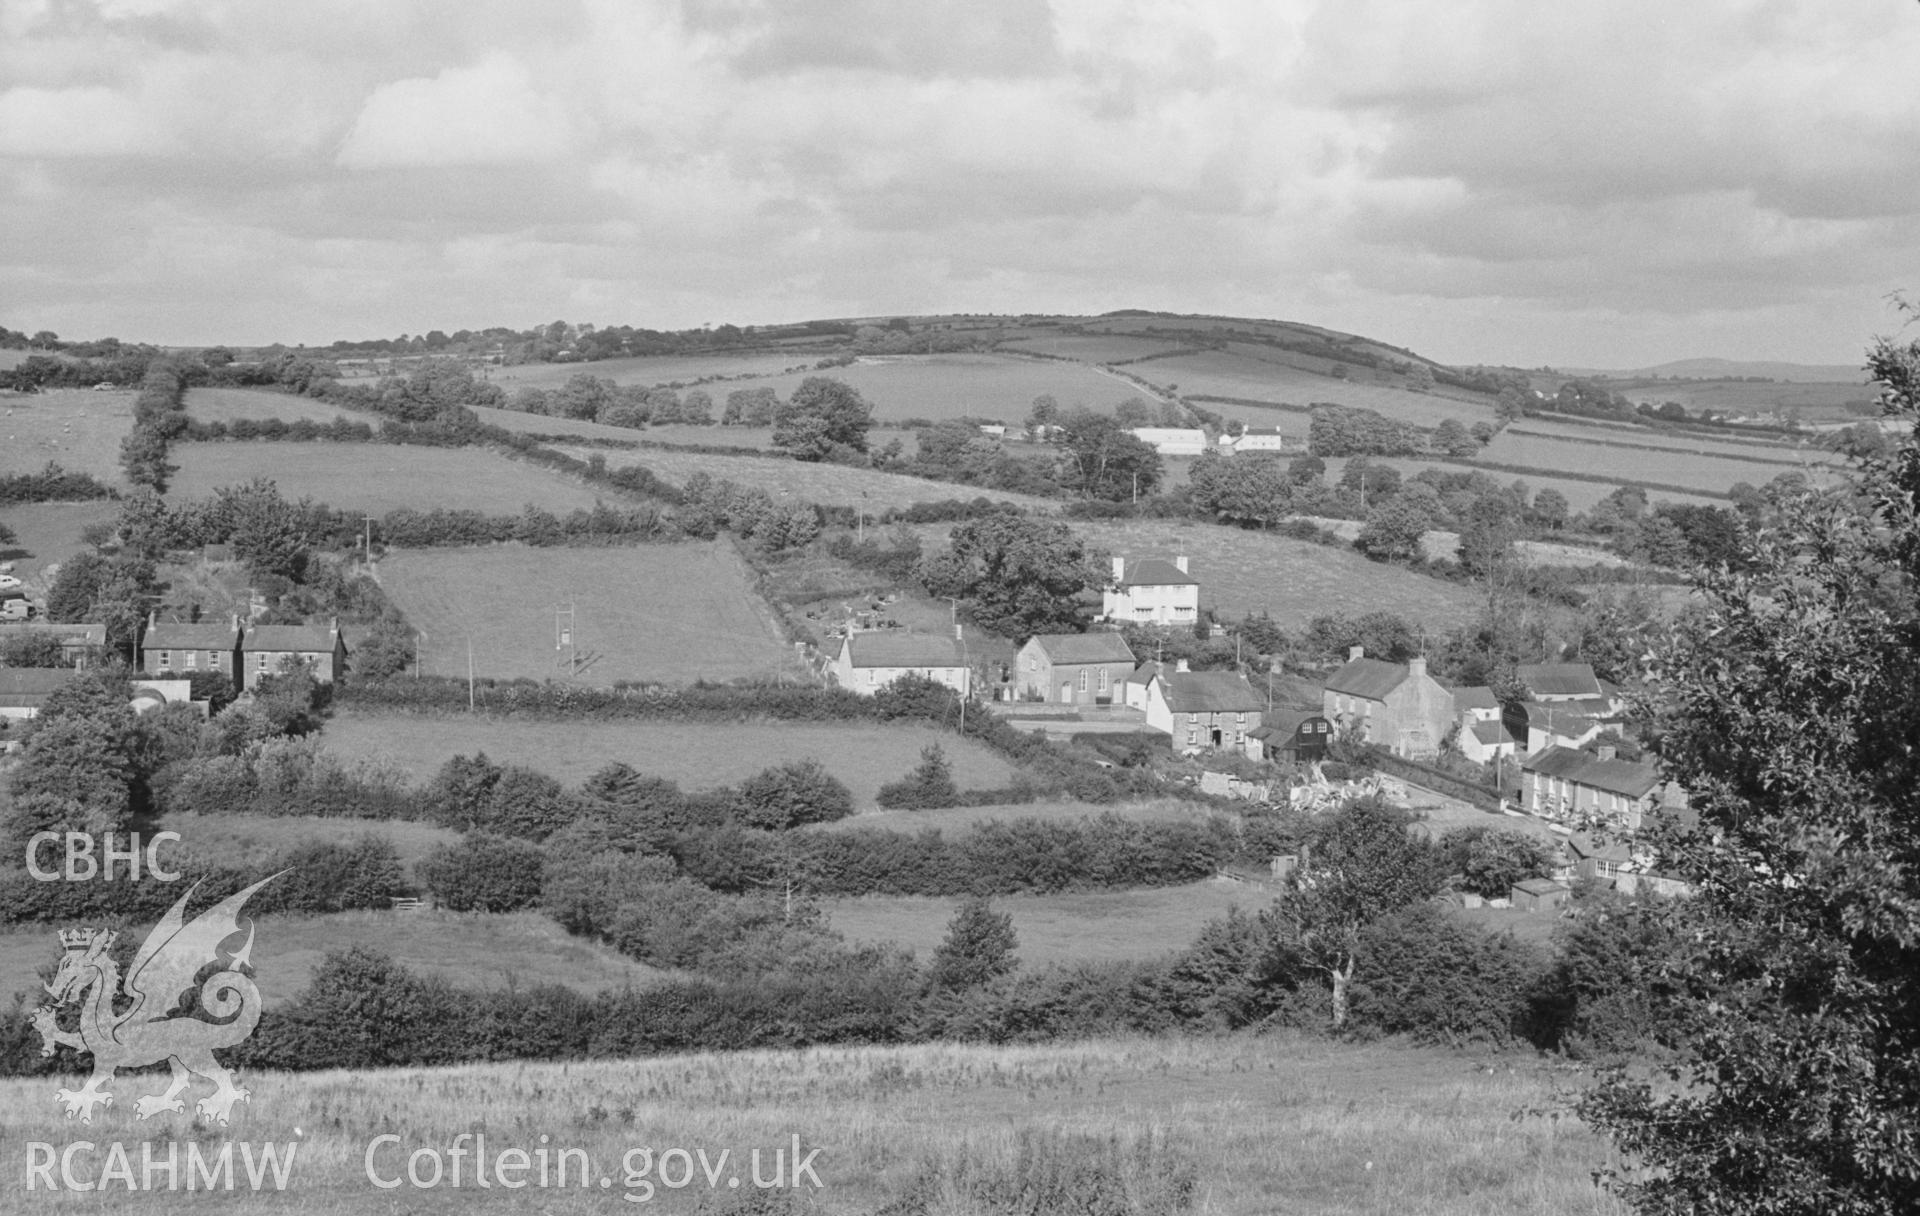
(978, 947)
(1424, 973)
(791, 794)
(484, 874)
(928, 786)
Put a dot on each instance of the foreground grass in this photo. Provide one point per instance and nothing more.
(1260, 1125)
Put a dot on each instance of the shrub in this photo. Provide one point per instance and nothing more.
(929, 785)
(978, 947)
(791, 794)
(484, 874)
(1422, 972)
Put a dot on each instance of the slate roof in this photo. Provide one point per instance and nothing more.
(1283, 724)
(1540, 886)
(1369, 678)
(1632, 778)
(1210, 692)
(1144, 673)
(207, 635)
(302, 639)
(29, 687)
(1491, 734)
(1156, 572)
(1558, 679)
(904, 650)
(1099, 647)
(1474, 696)
(1558, 718)
(1583, 845)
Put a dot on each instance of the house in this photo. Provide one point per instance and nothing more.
(1076, 668)
(81, 645)
(1173, 440)
(1255, 439)
(1204, 709)
(868, 662)
(1547, 682)
(1483, 736)
(1152, 591)
(1397, 706)
(266, 648)
(1134, 692)
(170, 650)
(23, 690)
(1540, 895)
(1296, 736)
(1534, 726)
(1562, 783)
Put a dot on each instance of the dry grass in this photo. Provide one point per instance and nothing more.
(802, 481)
(671, 613)
(695, 755)
(78, 429)
(233, 404)
(378, 477)
(1083, 927)
(1242, 572)
(1270, 1126)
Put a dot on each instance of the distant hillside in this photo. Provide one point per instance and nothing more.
(1737, 369)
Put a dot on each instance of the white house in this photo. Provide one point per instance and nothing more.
(1173, 440)
(868, 662)
(1256, 439)
(1152, 591)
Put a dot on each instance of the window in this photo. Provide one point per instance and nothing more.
(213, 660)
(193, 659)
(260, 662)
(166, 660)
(1193, 734)
(1033, 664)
(1103, 679)
(1083, 679)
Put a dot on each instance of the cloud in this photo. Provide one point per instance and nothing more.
(490, 113)
(96, 121)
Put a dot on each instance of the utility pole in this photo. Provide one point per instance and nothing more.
(563, 636)
(469, 673)
(366, 543)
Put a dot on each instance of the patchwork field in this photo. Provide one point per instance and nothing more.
(1257, 374)
(1242, 572)
(1083, 927)
(940, 387)
(77, 429)
(1711, 470)
(669, 613)
(695, 755)
(961, 818)
(378, 477)
(1272, 1125)
(804, 481)
(1581, 495)
(233, 404)
(656, 369)
(48, 533)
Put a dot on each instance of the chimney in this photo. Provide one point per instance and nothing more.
(1181, 563)
(1356, 652)
(1180, 665)
(957, 635)
(1606, 751)
(1119, 569)
(1417, 668)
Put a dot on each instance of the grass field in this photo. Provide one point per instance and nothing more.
(695, 755)
(546, 424)
(378, 477)
(804, 481)
(1580, 495)
(1251, 372)
(78, 429)
(940, 387)
(1242, 572)
(1703, 469)
(232, 404)
(659, 369)
(1082, 927)
(47, 533)
(960, 818)
(1091, 348)
(244, 840)
(671, 613)
(1751, 447)
(472, 950)
(1276, 1125)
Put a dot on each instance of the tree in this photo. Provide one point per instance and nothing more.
(929, 785)
(1452, 438)
(32, 650)
(1490, 862)
(1104, 459)
(791, 794)
(1486, 539)
(1393, 529)
(484, 874)
(1361, 863)
(1241, 489)
(1786, 706)
(822, 414)
(1550, 509)
(978, 947)
(1016, 575)
(77, 772)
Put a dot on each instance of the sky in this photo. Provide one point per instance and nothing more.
(1485, 181)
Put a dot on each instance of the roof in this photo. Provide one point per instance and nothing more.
(31, 686)
(1204, 692)
(1145, 673)
(1540, 886)
(304, 639)
(1583, 845)
(1474, 696)
(1284, 723)
(1629, 777)
(1491, 733)
(1558, 679)
(1558, 718)
(1084, 647)
(207, 635)
(69, 634)
(1155, 572)
(1369, 678)
(904, 650)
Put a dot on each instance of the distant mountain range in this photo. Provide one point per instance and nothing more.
(1735, 369)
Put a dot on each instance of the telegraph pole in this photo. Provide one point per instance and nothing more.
(366, 543)
(563, 636)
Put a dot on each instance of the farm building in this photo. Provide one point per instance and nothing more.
(1292, 735)
(265, 649)
(1255, 439)
(1534, 726)
(170, 649)
(1204, 710)
(1173, 440)
(1152, 591)
(23, 690)
(1562, 783)
(80, 645)
(1398, 706)
(1540, 895)
(868, 662)
(1076, 668)
(1558, 681)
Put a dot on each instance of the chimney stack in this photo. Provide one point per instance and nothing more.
(1356, 652)
(1119, 569)
(1181, 563)
(1180, 665)
(957, 635)
(1417, 668)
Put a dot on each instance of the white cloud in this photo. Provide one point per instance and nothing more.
(488, 113)
(36, 122)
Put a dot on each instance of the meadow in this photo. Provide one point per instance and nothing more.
(656, 369)
(46, 533)
(1271, 1125)
(960, 818)
(1079, 927)
(804, 481)
(378, 477)
(251, 840)
(78, 429)
(1580, 495)
(945, 387)
(696, 755)
(1702, 469)
(234, 404)
(1245, 572)
(1090, 347)
(1258, 374)
(671, 613)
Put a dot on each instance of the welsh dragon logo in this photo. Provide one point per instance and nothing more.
(149, 1030)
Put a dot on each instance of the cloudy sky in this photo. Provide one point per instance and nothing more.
(1593, 183)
